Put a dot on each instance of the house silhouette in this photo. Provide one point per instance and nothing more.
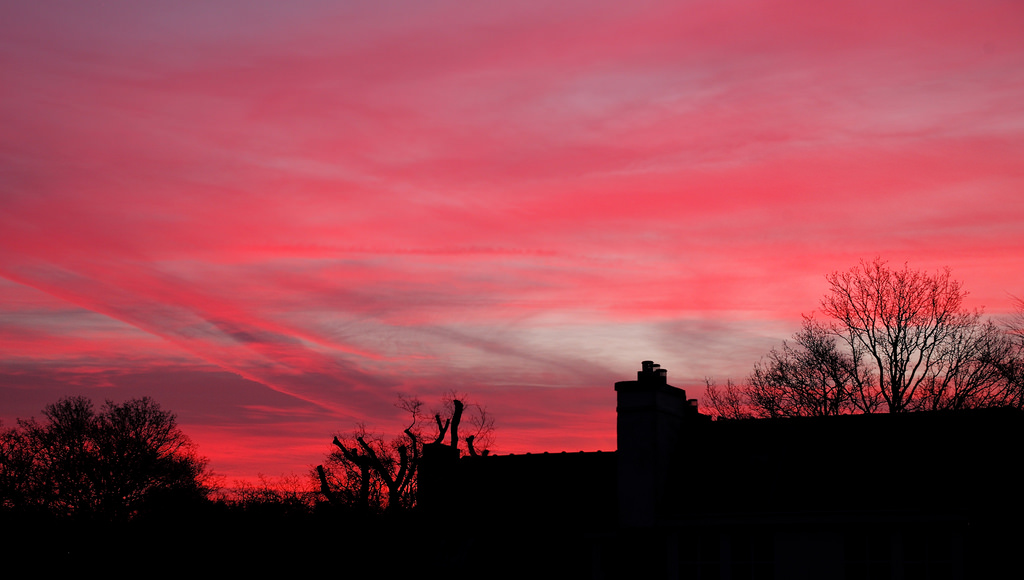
(896, 496)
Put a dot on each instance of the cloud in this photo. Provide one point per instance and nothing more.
(333, 204)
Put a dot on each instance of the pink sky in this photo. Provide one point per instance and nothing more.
(276, 217)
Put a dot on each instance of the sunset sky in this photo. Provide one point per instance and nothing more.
(276, 217)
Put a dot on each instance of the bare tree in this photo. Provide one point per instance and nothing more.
(478, 428)
(897, 340)
(369, 473)
(910, 326)
(810, 376)
(18, 477)
(972, 371)
(1011, 366)
(728, 402)
(283, 495)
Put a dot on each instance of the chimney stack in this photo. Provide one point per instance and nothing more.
(650, 416)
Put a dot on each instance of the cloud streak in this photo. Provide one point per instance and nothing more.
(311, 209)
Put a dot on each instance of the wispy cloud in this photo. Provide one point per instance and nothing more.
(316, 207)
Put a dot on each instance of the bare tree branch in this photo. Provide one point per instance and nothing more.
(898, 340)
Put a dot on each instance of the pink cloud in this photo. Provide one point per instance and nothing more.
(333, 204)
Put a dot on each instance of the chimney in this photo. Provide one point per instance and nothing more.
(650, 415)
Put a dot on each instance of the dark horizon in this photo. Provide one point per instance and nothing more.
(887, 495)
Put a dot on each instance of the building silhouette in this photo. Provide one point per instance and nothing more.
(925, 496)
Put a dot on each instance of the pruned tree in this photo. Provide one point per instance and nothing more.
(366, 472)
(897, 340)
(479, 427)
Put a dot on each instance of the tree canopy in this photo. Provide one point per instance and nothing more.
(110, 464)
(895, 340)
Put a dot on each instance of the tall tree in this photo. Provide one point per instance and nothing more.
(910, 325)
(897, 340)
(811, 377)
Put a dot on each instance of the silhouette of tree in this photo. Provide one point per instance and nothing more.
(897, 340)
(729, 402)
(16, 475)
(367, 472)
(812, 376)
(911, 327)
(286, 495)
(110, 464)
(1011, 366)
